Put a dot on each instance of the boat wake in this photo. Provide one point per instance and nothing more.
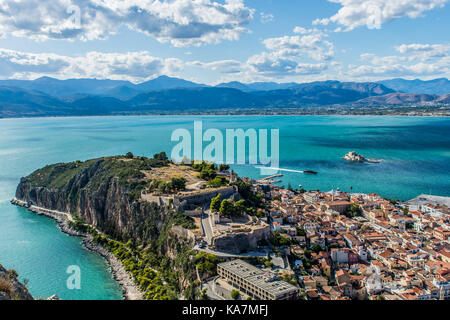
(280, 169)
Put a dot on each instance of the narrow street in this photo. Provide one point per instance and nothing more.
(207, 229)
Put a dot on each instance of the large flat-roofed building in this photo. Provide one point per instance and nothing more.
(255, 282)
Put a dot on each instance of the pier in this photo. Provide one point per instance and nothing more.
(57, 215)
(270, 177)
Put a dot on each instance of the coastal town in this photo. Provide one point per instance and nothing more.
(248, 239)
(332, 246)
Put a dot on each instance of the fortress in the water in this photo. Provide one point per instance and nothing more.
(354, 157)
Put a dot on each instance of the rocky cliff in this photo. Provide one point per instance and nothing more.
(104, 193)
(11, 288)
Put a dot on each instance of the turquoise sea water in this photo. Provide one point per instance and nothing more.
(416, 150)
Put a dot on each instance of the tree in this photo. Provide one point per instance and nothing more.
(161, 156)
(235, 294)
(178, 184)
(208, 173)
(203, 295)
(216, 203)
(217, 182)
(307, 253)
(240, 207)
(224, 167)
(227, 208)
(353, 211)
(301, 232)
(129, 155)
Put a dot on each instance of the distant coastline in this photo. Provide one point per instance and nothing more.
(393, 112)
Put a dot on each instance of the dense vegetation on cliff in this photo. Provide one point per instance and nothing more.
(126, 169)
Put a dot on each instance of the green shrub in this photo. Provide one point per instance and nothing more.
(235, 294)
(218, 182)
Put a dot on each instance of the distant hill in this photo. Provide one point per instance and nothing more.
(256, 86)
(103, 97)
(444, 99)
(124, 89)
(122, 92)
(235, 85)
(16, 102)
(164, 83)
(365, 88)
(399, 98)
(195, 98)
(114, 88)
(63, 88)
(437, 86)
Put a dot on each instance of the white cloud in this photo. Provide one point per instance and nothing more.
(300, 54)
(374, 13)
(133, 66)
(416, 60)
(273, 65)
(180, 22)
(424, 51)
(302, 30)
(266, 17)
(296, 46)
(222, 66)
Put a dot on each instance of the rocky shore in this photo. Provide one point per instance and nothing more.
(129, 288)
(11, 288)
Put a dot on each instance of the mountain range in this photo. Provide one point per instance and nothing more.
(52, 97)
(437, 86)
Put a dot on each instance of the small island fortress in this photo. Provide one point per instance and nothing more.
(354, 157)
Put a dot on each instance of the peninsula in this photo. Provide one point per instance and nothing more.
(145, 216)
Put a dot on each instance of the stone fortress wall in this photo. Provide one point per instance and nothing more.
(242, 241)
(202, 199)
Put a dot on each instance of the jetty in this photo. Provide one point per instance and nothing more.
(57, 215)
(270, 179)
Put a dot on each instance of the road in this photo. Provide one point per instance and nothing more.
(222, 254)
(207, 229)
(213, 292)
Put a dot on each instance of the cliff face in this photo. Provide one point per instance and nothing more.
(97, 191)
(106, 193)
(11, 288)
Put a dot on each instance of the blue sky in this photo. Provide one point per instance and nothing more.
(212, 41)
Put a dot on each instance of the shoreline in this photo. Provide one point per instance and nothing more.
(232, 115)
(129, 289)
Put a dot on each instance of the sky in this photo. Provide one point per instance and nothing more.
(214, 41)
